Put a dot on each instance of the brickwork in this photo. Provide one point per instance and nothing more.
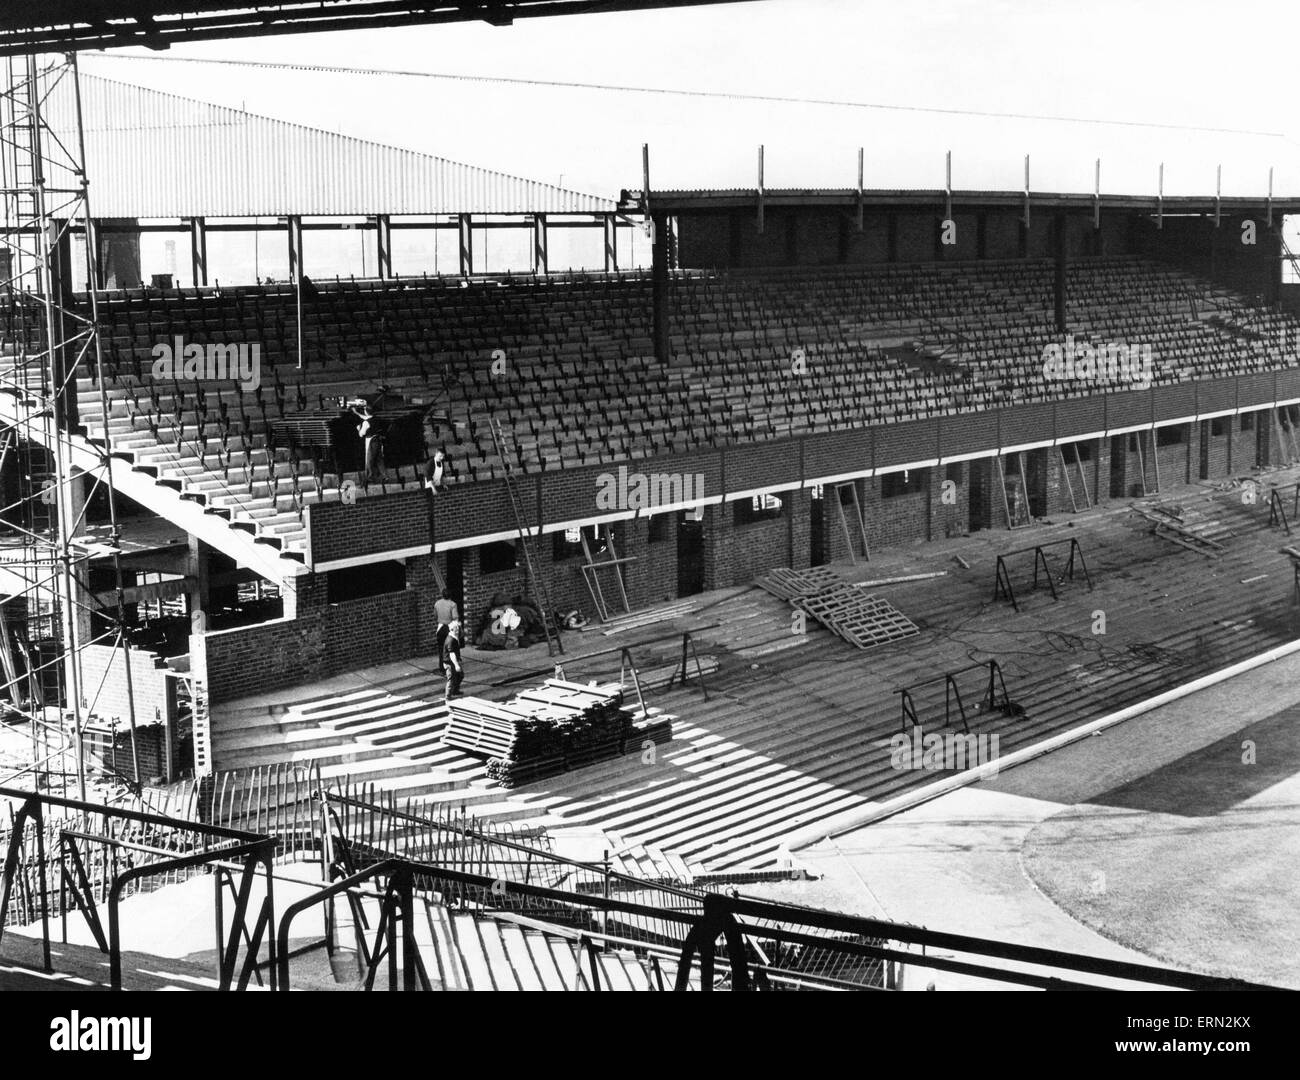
(104, 684)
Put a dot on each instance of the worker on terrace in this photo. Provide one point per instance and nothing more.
(445, 612)
(371, 439)
(434, 469)
(451, 661)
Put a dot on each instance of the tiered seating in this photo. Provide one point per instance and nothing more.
(567, 363)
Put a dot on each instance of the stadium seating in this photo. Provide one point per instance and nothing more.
(567, 363)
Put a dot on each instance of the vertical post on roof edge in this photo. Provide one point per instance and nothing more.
(465, 232)
(1269, 204)
(947, 187)
(760, 189)
(1096, 198)
(1026, 217)
(658, 262)
(541, 259)
(295, 272)
(384, 246)
(1160, 199)
(611, 243)
(1218, 195)
(861, 196)
(199, 250)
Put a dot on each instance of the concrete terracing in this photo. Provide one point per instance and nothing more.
(796, 728)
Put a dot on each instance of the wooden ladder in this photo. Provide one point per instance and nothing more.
(1284, 421)
(1017, 512)
(844, 521)
(1142, 461)
(553, 643)
(591, 571)
(1083, 477)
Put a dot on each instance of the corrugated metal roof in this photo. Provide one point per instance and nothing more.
(151, 154)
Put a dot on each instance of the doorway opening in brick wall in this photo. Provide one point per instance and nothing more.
(982, 479)
(1118, 465)
(690, 554)
(817, 523)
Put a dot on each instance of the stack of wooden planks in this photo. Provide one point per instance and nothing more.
(558, 726)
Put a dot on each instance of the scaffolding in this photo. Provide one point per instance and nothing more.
(59, 514)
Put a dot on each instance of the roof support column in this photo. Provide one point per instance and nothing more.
(659, 259)
(465, 231)
(295, 247)
(611, 244)
(540, 258)
(384, 246)
(199, 250)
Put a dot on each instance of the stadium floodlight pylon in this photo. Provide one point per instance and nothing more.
(50, 471)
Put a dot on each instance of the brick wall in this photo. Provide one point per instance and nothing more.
(918, 234)
(901, 519)
(317, 642)
(1210, 452)
(1096, 475)
(1175, 460)
(370, 525)
(950, 506)
(658, 568)
(104, 670)
(479, 508)
(745, 551)
(1241, 450)
(481, 587)
(111, 751)
(315, 645)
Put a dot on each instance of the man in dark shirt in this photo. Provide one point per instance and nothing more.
(445, 612)
(451, 661)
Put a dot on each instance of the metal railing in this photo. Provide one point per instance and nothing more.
(992, 701)
(1002, 589)
(101, 854)
(735, 919)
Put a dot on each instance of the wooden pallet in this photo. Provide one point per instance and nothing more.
(1169, 525)
(860, 619)
(790, 584)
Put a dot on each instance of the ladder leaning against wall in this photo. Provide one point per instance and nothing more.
(534, 581)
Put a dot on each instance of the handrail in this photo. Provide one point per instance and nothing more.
(1002, 588)
(550, 857)
(953, 692)
(325, 892)
(689, 641)
(402, 874)
(256, 850)
(737, 908)
(143, 816)
(626, 662)
(1277, 510)
(534, 673)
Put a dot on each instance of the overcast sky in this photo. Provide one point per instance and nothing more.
(1185, 65)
